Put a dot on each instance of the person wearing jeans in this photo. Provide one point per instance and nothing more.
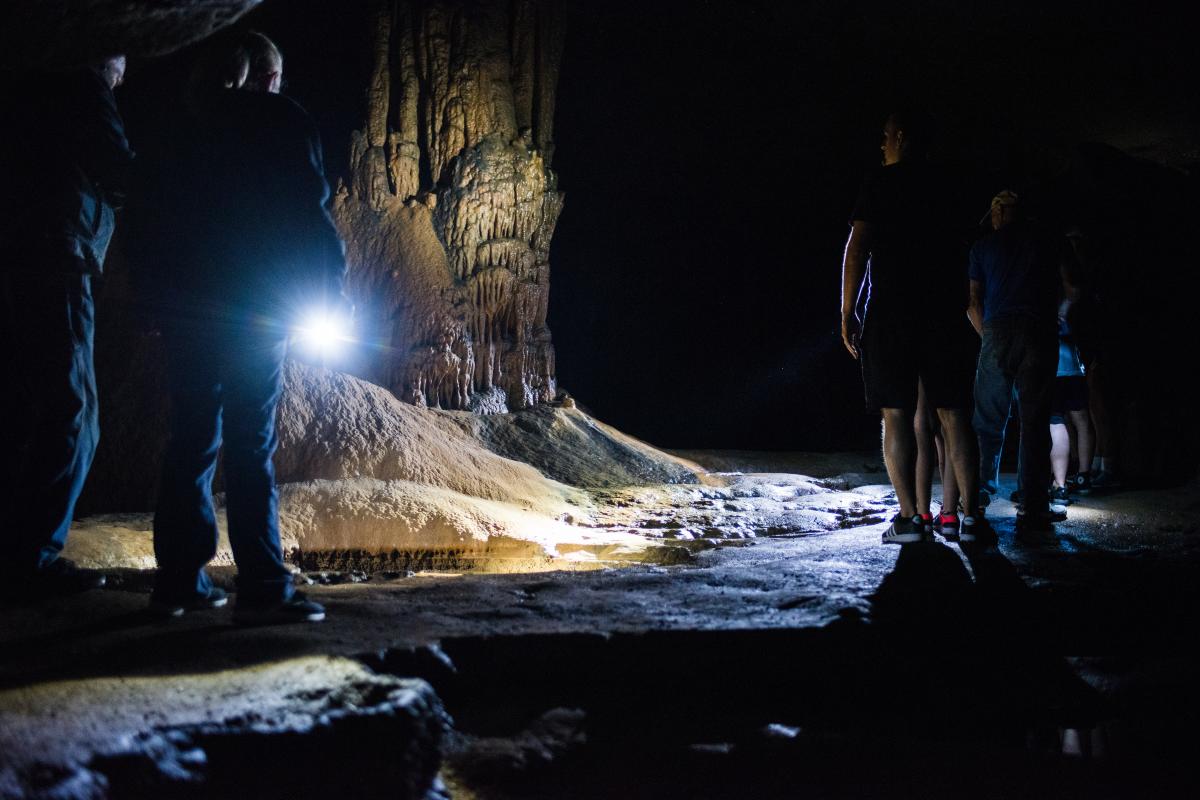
(1015, 273)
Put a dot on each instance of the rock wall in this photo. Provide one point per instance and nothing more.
(450, 203)
(51, 33)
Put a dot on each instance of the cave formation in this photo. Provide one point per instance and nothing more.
(703, 666)
(451, 203)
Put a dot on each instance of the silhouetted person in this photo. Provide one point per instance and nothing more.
(235, 251)
(65, 164)
(1015, 274)
(914, 328)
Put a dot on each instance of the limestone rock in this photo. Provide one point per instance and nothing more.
(49, 33)
(153, 736)
(451, 203)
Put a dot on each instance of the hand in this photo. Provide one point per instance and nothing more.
(851, 334)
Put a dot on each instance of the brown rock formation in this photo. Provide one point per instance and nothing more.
(451, 203)
(36, 33)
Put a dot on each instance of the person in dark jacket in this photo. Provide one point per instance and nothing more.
(66, 161)
(229, 260)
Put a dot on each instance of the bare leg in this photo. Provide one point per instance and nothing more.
(1083, 435)
(1060, 452)
(950, 494)
(923, 429)
(962, 450)
(900, 456)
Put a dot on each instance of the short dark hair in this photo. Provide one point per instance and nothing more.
(917, 125)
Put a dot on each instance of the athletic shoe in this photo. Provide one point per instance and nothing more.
(57, 579)
(1054, 513)
(904, 530)
(297, 608)
(946, 525)
(1060, 495)
(1105, 481)
(926, 524)
(1037, 528)
(976, 530)
(215, 598)
(1080, 482)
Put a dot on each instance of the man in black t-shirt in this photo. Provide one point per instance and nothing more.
(915, 327)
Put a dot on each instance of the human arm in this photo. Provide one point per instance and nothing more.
(854, 270)
(975, 306)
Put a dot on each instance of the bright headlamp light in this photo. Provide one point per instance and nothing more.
(323, 333)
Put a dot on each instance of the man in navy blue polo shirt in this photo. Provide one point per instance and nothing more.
(1015, 274)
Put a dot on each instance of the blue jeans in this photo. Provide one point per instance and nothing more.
(1016, 354)
(224, 388)
(994, 396)
(52, 424)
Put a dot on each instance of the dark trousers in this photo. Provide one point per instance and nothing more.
(51, 423)
(224, 387)
(1018, 353)
(994, 398)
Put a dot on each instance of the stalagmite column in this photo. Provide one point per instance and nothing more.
(450, 203)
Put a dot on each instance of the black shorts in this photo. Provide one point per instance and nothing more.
(1070, 393)
(898, 350)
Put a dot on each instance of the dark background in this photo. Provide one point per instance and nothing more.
(711, 153)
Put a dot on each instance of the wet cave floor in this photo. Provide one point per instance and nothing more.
(807, 664)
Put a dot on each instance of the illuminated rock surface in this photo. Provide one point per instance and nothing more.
(764, 667)
(450, 205)
(367, 481)
(247, 730)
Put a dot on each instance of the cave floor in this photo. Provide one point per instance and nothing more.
(768, 666)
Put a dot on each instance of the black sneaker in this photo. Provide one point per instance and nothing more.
(57, 579)
(298, 608)
(976, 530)
(1060, 495)
(1080, 482)
(1036, 528)
(904, 530)
(215, 598)
(1054, 512)
(946, 525)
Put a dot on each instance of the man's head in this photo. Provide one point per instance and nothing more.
(112, 69)
(906, 135)
(266, 64)
(1004, 209)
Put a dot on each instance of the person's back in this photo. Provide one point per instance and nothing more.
(249, 229)
(917, 252)
(256, 249)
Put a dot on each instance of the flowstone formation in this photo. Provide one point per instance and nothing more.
(450, 203)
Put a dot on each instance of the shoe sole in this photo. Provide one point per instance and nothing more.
(904, 538)
(174, 612)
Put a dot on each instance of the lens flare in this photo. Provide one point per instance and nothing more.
(323, 334)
